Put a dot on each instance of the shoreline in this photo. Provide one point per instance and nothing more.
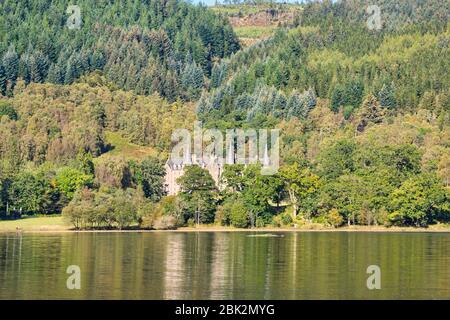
(356, 229)
(55, 224)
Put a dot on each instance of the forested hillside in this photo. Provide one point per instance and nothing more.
(53, 123)
(332, 54)
(150, 46)
(364, 114)
(86, 115)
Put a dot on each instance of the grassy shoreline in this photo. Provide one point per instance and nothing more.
(55, 224)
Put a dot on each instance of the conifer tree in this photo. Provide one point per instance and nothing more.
(10, 62)
(218, 74)
(3, 81)
(294, 105)
(55, 74)
(192, 80)
(72, 70)
(386, 96)
(38, 67)
(24, 68)
(310, 101)
(98, 60)
(370, 112)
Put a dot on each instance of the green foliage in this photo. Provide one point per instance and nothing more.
(166, 214)
(10, 62)
(238, 214)
(337, 159)
(139, 46)
(54, 128)
(8, 110)
(370, 112)
(348, 94)
(69, 180)
(363, 114)
(113, 172)
(334, 55)
(31, 193)
(302, 186)
(334, 218)
(286, 218)
(258, 191)
(3, 81)
(386, 95)
(418, 201)
(106, 208)
(346, 194)
(192, 81)
(198, 194)
(149, 174)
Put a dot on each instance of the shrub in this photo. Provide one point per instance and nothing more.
(276, 221)
(239, 215)
(191, 222)
(165, 223)
(221, 218)
(168, 206)
(334, 218)
(7, 110)
(286, 218)
(260, 223)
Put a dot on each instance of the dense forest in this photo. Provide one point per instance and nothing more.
(334, 57)
(87, 114)
(149, 46)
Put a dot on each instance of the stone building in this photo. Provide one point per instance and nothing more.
(215, 166)
(176, 170)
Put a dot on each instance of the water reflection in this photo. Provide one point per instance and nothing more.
(224, 265)
(174, 275)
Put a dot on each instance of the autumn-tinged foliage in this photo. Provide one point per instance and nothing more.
(85, 126)
(55, 123)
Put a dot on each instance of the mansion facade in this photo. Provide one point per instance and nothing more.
(214, 165)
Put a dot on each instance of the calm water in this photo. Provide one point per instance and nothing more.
(225, 265)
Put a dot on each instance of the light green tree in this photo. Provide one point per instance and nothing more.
(301, 184)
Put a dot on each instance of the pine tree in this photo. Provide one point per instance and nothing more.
(337, 98)
(3, 80)
(370, 112)
(218, 74)
(294, 105)
(55, 74)
(10, 62)
(170, 87)
(24, 68)
(192, 80)
(310, 101)
(98, 60)
(203, 105)
(74, 69)
(70, 73)
(244, 101)
(279, 105)
(38, 67)
(353, 93)
(386, 96)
